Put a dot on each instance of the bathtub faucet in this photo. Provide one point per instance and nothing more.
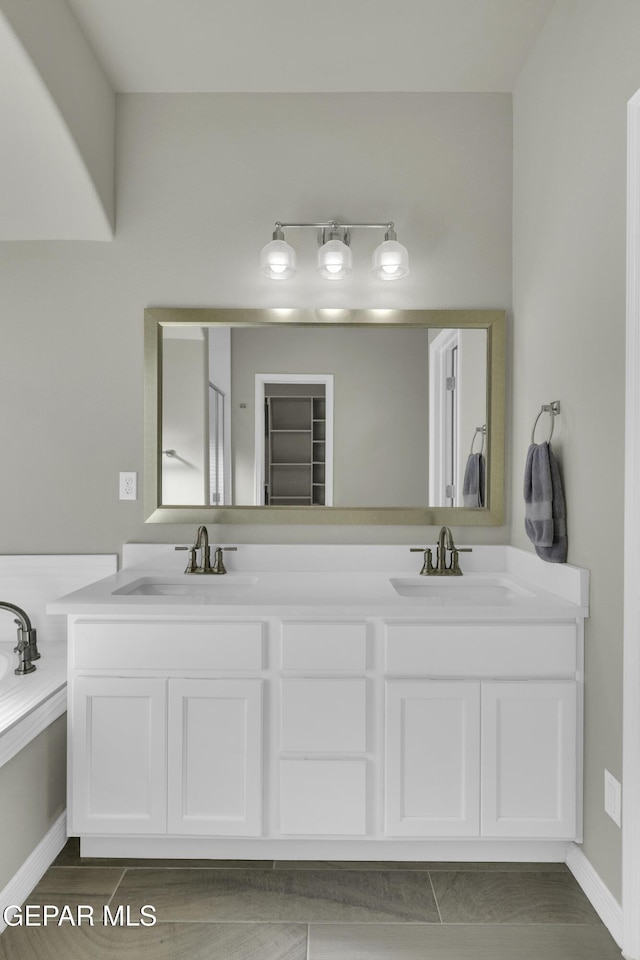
(27, 648)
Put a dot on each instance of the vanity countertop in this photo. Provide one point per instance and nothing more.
(515, 589)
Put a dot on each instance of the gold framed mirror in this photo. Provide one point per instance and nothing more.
(324, 416)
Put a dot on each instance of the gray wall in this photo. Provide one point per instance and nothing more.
(185, 388)
(381, 404)
(569, 331)
(201, 180)
(32, 796)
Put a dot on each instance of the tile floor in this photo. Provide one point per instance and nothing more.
(265, 910)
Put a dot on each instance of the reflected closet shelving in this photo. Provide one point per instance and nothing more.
(295, 435)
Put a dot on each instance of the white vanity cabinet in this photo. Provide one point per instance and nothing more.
(171, 754)
(495, 757)
(470, 759)
(324, 736)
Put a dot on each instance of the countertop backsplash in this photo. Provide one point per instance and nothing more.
(30, 581)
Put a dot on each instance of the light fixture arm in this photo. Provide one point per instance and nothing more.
(335, 225)
(334, 230)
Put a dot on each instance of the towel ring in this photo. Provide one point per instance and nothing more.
(551, 408)
(482, 431)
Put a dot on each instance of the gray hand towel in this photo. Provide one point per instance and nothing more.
(545, 514)
(473, 486)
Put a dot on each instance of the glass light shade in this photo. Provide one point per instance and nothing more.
(335, 260)
(390, 261)
(278, 260)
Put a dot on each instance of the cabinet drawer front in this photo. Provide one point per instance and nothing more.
(324, 646)
(323, 797)
(324, 716)
(481, 649)
(164, 646)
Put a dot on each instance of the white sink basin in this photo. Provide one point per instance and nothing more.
(201, 587)
(468, 591)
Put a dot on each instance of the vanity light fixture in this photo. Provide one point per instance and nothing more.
(335, 260)
(278, 259)
(390, 259)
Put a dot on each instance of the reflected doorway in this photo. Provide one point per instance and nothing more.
(294, 439)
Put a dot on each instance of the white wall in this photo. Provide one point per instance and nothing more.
(569, 329)
(201, 180)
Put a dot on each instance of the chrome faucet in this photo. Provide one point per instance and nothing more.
(441, 569)
(202, 544)
(27, 648)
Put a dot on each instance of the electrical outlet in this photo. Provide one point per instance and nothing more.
(613, 798)
(129, 486)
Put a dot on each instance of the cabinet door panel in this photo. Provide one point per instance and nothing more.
(432, 759)
(323, 797)
(529, 759)
(118, 756)
(215, 757)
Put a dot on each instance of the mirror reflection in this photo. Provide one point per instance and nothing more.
(334, 416)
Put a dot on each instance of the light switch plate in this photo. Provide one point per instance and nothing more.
(613, 798)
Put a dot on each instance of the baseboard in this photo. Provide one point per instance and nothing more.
(185, 848)
(34, 867)
(596, 891)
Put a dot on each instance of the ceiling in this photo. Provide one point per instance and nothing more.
(187, 46)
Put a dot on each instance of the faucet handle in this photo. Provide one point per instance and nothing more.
(427, 566)
(192, 565)
(455, 566)
(218, 563)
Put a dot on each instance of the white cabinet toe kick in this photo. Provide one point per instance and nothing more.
(365, 738)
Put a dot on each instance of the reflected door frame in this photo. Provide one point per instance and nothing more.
(261, 379)
(444, 427)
